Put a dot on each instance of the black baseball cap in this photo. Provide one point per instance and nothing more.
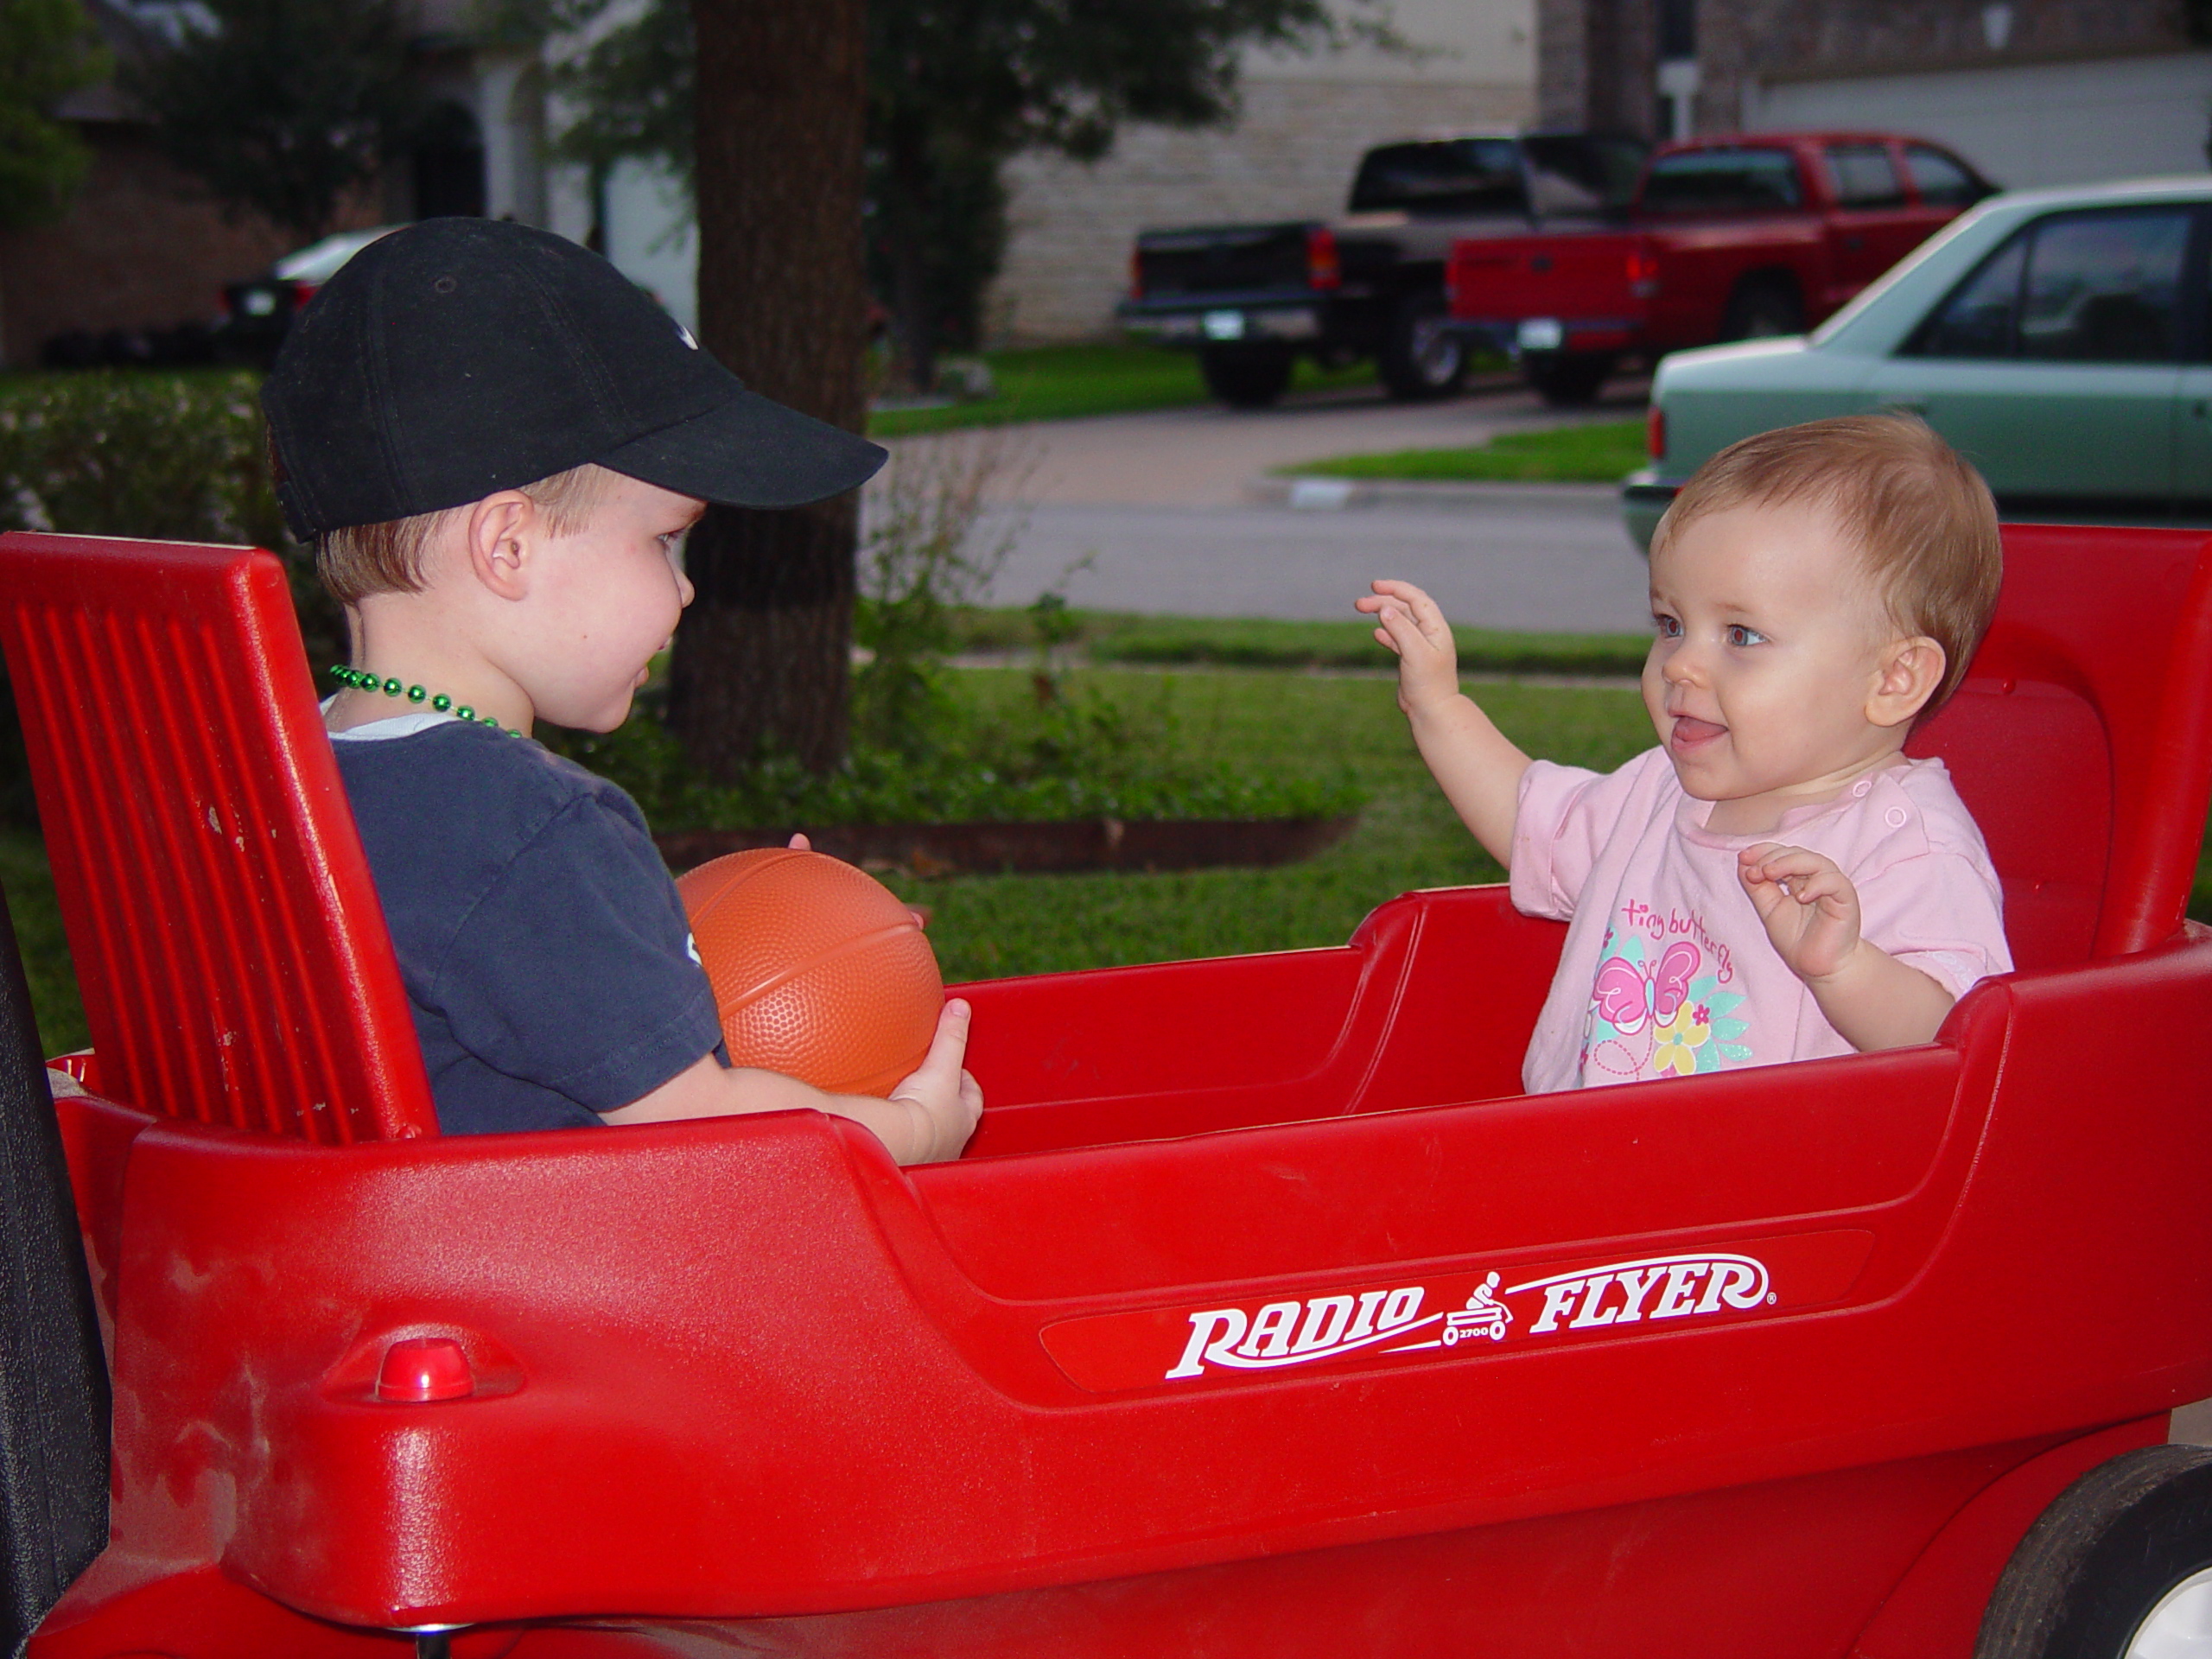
(461, 356)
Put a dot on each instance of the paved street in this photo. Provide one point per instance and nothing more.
(1541, 556)
(1177, 514)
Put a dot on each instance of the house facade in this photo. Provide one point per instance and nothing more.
(145, 249)
(2035, 92)
(1468, 66)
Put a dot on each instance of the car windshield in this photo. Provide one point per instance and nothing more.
(1722, 180)
(1862, 177)
(1941, 181)
(1576, 172)
(319, 261)
(1453, 175)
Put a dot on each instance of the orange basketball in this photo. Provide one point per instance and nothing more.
(819, 970)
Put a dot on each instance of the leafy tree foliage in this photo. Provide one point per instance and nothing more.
(282, 105)
(954, 87)
(46, 51)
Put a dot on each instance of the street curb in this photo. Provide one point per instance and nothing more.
(1308, 493)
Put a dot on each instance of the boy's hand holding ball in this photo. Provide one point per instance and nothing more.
(944, 1101)
(822, 974)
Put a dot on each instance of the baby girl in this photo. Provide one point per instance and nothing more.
(1775, 881)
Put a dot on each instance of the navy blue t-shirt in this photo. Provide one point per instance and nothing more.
(543, 945)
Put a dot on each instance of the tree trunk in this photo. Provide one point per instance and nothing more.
(761, 657)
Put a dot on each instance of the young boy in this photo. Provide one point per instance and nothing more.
(499, 443)
(1775, 881)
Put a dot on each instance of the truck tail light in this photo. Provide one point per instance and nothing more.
(1136, 273)
(1655, 432)
(1642, 265)
(1323, 269)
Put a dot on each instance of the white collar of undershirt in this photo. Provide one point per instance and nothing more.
(373, 731)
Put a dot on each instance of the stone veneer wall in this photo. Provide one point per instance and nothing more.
(1290, 155)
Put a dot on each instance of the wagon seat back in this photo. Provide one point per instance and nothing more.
(2082, 738)
(229, 947)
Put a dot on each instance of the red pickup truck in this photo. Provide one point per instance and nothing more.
(1727, 237)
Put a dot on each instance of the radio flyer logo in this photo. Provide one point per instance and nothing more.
(1496, 1310)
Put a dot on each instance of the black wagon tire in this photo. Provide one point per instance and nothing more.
(2114, 1566)
(54, 1406)
(1246, 377)
(1763, 308)
(1421, 359)
(1567, 379)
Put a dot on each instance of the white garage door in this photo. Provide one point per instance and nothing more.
(2038, 123)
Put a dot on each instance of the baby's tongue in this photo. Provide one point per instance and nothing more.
(1691, 729)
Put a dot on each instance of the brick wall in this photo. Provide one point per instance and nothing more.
(1595, 65)
(1290, 155)
(143, 247)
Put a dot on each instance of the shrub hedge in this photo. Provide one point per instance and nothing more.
(168, 457)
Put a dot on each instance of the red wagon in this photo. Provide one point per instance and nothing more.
(1264, 1317)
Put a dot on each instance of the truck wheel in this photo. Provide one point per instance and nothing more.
(1761, 308)
(2119, 1567)
(1421, 358)
(1565, 379)
(1246, 377)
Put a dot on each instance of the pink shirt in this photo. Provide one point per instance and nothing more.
(1667, 969)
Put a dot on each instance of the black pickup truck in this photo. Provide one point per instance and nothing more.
(1249, 298)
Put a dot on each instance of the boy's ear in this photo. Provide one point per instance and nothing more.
(501, 534)
(1912, 670)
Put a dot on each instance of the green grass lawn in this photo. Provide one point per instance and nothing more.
(1599, 454)
(1060, 383)
(29, 891)
(989, 926)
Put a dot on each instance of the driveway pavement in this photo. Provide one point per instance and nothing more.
(1174, 512)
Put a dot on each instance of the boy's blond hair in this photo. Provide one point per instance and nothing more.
(1924, 522)
(387, 558)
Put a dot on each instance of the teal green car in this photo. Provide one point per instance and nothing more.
(2058, 338)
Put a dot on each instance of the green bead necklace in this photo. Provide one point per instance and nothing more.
(361, 680)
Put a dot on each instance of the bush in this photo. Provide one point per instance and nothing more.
(1080, 756)
(924, 750)
(167, 457)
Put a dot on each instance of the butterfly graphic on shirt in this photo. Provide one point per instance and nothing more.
(1658, 1018)
(1632, 995)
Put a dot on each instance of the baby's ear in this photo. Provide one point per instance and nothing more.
(499, 534)
(1912, 670)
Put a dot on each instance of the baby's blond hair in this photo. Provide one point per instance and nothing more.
(387, 558)
(1923, 521)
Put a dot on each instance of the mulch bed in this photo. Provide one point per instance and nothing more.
(934, 849)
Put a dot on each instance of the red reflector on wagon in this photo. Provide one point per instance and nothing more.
(423, 1369)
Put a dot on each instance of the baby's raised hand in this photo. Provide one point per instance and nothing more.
(1808, 904)
(942, 1099)
(1408, 620)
